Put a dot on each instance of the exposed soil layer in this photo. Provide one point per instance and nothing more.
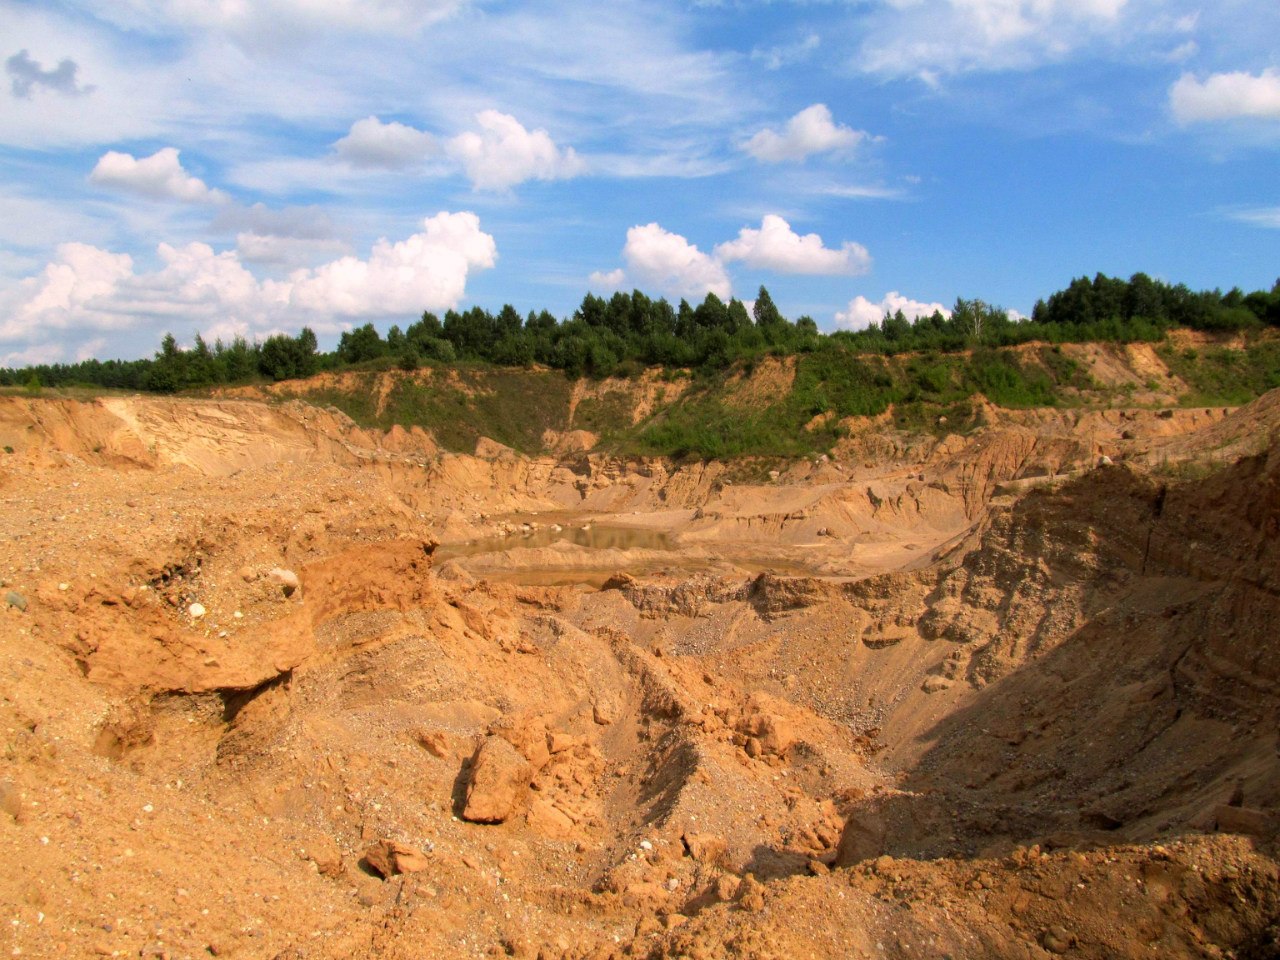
(275, 686)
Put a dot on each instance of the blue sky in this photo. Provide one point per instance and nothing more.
(242, 167)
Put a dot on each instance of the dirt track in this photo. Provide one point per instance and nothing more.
(1003, 701)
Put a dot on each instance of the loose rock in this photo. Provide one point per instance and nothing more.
(499, 775)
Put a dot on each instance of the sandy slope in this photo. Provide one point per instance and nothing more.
(1020, 706)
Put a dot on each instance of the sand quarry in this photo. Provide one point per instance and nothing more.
(277, 687)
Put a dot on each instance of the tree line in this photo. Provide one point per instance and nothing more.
(628, 332)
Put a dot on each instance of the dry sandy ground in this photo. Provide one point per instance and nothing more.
(969, 697)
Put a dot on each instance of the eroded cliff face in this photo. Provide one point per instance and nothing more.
(266, 695)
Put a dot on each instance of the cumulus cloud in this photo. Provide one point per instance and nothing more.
(503, 153)
(26, 74)
(428, 270)
(668, 262)
(87, 288)
(391, 146)
(658, 258)
(810, 131)
(80, 277)
(1226, 96)
(33, 356)
(157, 177)
(861, 312)
(775, 246)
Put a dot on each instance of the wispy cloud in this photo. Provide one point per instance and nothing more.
(1268, 217)
(783, 55)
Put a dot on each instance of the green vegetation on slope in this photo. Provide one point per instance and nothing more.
(1221, 376)
(833, 383)
(460, 405)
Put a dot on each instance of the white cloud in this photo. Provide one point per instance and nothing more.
(87, 288)
(668, 262)
(274, 18)
(775, 246)
(89, 349)
(1225, 96)
(1268, 217)
(612, 280)
(861, 312)
(854, 191)
(393, 146)
(69, 287)
(775, 58)
(810, 131)
(33, 356)
(429, 271)
(157, 177)
(503, 153)
(929, 38)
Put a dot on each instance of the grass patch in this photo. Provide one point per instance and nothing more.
(511, 406)
(608, 415)
(1220, 376)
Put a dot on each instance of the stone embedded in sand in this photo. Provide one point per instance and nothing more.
(10, 800)
(705, 847)
(751, 894)
(604, 713)
(560, 742)
(499, 775)
(327, 857)
(390, 857)
(435, 742)
(197, 610)
(771, 733)
(1057, 940)
(287, 579)
(863, 838)
(935, 684)
(16, 600)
